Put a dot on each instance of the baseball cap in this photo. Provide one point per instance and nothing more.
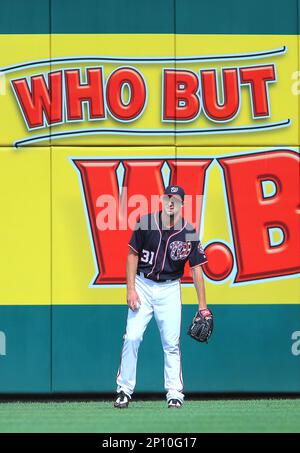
(175, 191)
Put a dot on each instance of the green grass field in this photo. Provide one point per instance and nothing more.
(153, 416)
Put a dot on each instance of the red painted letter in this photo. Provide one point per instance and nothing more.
(92, 91)
(253, 214)
(41, 100)
(257, 77)
(180, 97)
(136, 103)
(99, 178)
(231, 99)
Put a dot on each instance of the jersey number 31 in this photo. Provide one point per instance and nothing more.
(147, 257)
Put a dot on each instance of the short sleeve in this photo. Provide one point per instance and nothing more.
(136, 239)
(197, 255)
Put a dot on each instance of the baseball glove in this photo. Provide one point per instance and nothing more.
(202, 325)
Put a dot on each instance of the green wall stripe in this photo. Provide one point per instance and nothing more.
(251, 350)
(25, 17)
(150, 16)
(25, 338)
(236, 17)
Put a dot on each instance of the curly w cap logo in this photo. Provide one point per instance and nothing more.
(180, 250)
(174, 189)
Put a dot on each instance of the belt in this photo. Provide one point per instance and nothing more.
(141, 274)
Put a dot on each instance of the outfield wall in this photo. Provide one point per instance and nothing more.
(71, 130)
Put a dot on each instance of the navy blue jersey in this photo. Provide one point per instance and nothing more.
(164, 252)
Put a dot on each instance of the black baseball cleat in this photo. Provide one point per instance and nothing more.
(122, 401)
(177, 404)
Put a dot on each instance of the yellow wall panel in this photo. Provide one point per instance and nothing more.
(25, 226)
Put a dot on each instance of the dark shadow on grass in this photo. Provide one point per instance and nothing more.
(106, 397)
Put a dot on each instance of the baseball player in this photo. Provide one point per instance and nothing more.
(161, 244)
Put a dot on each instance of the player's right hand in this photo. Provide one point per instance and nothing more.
(133, 300)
